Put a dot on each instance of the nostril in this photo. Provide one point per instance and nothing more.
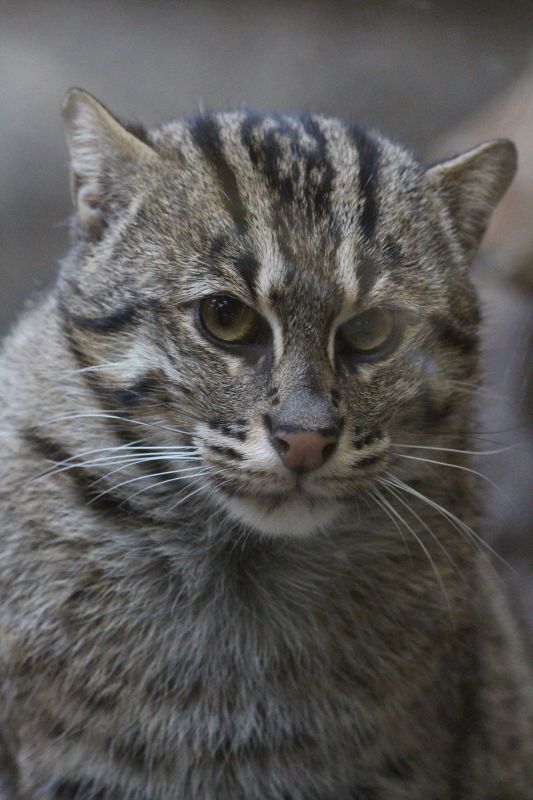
(328, 450)
(282, 445)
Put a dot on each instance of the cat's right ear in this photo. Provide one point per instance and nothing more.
(102, 151)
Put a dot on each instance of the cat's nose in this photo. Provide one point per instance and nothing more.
(304, 451)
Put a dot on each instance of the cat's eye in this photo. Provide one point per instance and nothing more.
(228, 319)
(368, 333)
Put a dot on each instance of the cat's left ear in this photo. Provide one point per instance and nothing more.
(471, 184)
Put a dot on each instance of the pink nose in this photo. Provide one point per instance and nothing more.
(304, 450)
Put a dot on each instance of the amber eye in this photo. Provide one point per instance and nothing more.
(370, 331)
(228, 320)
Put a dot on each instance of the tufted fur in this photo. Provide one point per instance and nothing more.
(182, 618)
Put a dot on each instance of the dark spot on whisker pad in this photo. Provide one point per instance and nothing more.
(369, 460)
(367, 440)
(229, 452)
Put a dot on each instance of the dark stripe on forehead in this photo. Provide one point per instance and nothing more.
(282, 184)
(248, 127)
(318, 161)
(368, 152)
(306, 167)
(265, 153)
(248, 268)
(206, 136)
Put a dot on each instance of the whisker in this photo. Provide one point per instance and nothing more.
(139, 461)
(457, 466)
(461, 526)
(428, 555)
(93, 368)
(105, 415)
(502, 449)
(191, 494)
(472, 388)
(179, 473)
(423, 523)
(124, 460)
(170, 480)
(393, 520)
(474, 434)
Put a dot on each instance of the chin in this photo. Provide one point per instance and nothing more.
(283, 516)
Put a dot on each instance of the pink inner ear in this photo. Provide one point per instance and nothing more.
(89, 198)
(93, 201)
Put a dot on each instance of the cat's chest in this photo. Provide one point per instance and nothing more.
(218, 676)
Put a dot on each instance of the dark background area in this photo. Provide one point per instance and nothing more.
(413, 68)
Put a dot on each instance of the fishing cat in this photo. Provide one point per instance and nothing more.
(238, 556)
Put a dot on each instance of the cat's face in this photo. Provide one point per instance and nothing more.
(289, 293)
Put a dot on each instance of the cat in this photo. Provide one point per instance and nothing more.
(238, 550)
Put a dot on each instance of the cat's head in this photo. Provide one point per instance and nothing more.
(290, 293)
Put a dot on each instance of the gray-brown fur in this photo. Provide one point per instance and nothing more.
(206, 638)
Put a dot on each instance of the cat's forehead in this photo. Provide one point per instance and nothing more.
(291, 201)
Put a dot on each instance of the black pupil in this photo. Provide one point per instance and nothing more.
(366, 324)
(225, 309)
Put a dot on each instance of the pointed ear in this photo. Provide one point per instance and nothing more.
(101, 150)
(471, 185)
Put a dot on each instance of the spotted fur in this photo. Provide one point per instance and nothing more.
(183, 617)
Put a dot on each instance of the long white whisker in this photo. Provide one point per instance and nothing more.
(435, 538)
(456, 466)
(170, 480)
(453, 450)
(104, 415)
(181, 473)
(93, 368)
(135, 462)
(422, 545)
(472, 388)
(191, 494)
(393, 520)
(461, 526)
(123, 460)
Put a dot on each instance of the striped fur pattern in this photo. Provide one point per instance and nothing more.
(181, 616)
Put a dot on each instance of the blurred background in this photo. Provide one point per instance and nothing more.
(439, 76)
